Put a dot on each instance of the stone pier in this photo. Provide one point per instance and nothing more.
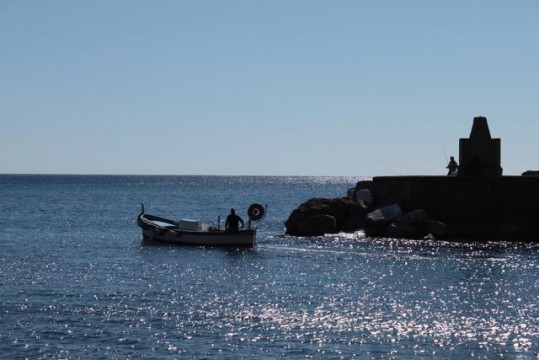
(479, 202)
(476, 207)
(474, 203)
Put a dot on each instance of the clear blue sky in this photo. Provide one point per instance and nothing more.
(264, 87)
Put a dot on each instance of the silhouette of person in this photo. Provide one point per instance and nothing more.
(452, 166)
(233, 221)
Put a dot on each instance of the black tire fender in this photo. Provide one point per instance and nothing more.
(256, 212)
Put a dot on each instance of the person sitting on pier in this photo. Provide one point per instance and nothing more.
(233, 221)
(452, 166)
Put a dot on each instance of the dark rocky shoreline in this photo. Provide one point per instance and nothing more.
(432, 207)
(356, 211)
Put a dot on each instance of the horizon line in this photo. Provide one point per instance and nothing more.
(207, 175)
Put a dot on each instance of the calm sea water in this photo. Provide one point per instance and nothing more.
(76, 281)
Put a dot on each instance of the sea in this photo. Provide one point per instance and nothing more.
(77, 282)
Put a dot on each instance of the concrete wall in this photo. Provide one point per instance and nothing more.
(488, 207)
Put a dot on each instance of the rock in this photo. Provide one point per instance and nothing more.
(363, 192)
(525, 234)
(317, 225)
(437, 228)
(402, 231)
(414, 217)
(375, 232)
(430, 237)
(376, 217)
(531, 173)
(364, 197)
(348, 214)
(364, 184)
(384, 215)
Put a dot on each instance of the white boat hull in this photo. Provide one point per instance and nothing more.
(156, 229)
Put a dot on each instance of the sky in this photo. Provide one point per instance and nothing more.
(212, 87)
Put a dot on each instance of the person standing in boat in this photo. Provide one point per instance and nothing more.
(452, 166)
(233, 221)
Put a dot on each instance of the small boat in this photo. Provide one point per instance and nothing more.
(188, 232)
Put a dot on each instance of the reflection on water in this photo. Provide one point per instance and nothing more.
(77, 285)
(338, 296)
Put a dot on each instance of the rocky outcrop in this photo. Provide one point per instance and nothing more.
(320, 216)
(414, 224)
(384, 215)
(531, 173)
(312, 217)
(317, 225)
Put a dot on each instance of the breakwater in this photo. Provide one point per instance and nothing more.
(474, 202)
(479, 207)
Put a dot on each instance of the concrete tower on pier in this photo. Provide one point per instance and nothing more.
(480, 154)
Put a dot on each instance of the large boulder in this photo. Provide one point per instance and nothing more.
(317, 225)
(414, 217)
(401, 231)
(364, 184)
(363, 193)
(388, 221)
(437, 228)
(531, 173)
(384, 216)
(348, 214)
